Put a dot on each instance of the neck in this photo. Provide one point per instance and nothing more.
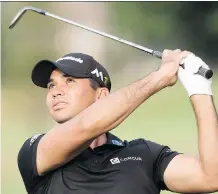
(100, 140)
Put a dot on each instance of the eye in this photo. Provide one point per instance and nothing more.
(70, 79)
(50, 85)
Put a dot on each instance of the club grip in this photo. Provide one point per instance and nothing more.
(207, 73)
(157, 54)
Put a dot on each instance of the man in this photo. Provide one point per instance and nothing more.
(80, 156)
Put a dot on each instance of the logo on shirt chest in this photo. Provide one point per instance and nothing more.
(120, 160)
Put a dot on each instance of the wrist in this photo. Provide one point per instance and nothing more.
(162, 78)
(199, 98)
(203, 107)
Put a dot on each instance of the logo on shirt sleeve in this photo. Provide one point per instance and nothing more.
(168, 150)
(34, 138)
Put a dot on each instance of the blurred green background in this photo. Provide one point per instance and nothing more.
(166, 118)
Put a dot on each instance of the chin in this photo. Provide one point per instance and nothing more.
(61, 117)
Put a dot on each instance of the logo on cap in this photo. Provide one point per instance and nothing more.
(97, 73)
(105, 80)
(70, 58)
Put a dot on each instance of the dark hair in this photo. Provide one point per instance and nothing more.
(95, 85)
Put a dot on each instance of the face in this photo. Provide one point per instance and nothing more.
(67, 96)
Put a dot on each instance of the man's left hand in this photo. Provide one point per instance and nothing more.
(194, 83)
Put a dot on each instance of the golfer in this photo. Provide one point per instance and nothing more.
(81, 156)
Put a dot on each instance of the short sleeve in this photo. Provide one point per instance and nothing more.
(162, 155)
(27, 161)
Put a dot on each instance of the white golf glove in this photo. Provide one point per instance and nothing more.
(194, 83)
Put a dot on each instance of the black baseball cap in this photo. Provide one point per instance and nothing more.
(78, 65)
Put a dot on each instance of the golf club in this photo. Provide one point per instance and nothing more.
(207, 73)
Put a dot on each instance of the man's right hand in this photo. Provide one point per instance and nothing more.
(171, 61)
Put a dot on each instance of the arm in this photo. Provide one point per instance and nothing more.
(194, 174)
(207, 122)
(64, 142)
(197, 174)
(67, 140)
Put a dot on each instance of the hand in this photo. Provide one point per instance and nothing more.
(170, 65)
(194, 83)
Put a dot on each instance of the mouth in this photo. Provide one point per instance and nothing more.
(59, 105)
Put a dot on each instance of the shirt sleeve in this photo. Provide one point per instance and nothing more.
(27, 161)
(162, 156)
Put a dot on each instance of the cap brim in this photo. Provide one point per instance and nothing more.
(43, 69)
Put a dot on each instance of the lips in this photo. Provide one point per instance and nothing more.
(59, 104)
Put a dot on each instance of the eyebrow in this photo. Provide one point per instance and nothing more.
(64, 75)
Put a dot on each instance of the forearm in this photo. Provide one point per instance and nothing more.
(67, 140)
(207, 122)
(110, 111)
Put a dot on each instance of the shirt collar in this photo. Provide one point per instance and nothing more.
(113, 140)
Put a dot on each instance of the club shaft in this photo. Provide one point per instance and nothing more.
(207, 73)
(101, 33)
(204, 72)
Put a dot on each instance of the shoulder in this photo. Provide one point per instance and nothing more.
(27, 160)
(160, 156)
(138, 144)
(151, 147)
(31, 140)
(28, 148)
(133, 142)
(141, 142)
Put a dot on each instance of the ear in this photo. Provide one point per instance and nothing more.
(101, 93)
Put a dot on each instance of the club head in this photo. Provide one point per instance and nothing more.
(19, 15)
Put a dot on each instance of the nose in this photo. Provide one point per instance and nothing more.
(58, 91)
